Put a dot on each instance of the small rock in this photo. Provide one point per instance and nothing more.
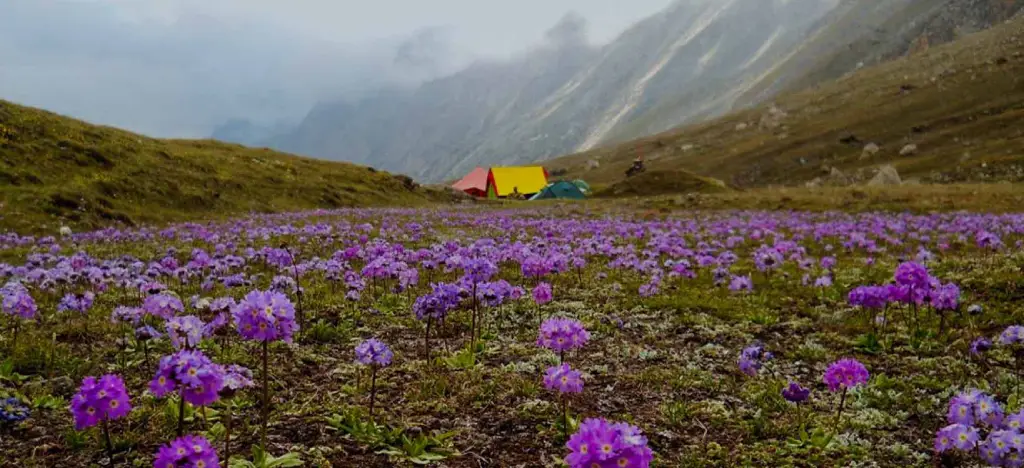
(686, 147)
(741, 126)
(870, 149)
(593, 164)
(908, 150)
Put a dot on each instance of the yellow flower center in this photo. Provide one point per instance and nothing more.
(606, 448)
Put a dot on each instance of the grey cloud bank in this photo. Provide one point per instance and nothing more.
(178, 68)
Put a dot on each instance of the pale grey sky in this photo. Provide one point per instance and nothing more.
(180, 67)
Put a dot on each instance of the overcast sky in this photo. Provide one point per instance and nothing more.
(181, 67)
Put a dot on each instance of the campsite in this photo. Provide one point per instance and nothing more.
(560, 234)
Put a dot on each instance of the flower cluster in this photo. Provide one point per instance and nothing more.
(235, 378)
(266, 316)
(197, 379)
(185, 331)
(752, 358)
(163, 305)
(602, 443)
(16, 301)
(845, 374)
(12, 410)
(563, 379)
(187, 451)
(970, 413)
(443, 298)
(373, 352)
(97, 400)
(72, 302)
(795, 393)
(561, 334)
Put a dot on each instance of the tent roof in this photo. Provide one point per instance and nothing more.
(560, 189)
(476, 179)
(529, 179)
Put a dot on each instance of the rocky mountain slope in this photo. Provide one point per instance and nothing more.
(943, 114)
(696, 60)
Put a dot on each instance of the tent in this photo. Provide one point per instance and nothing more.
(475, 183)
(560, 189)
(502, 181)
(583, 186)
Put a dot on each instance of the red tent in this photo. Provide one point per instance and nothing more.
(475, 183)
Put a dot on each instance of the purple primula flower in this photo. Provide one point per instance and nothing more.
(187, 451)
(845, 373)
(98, 400)
(563, 379)
(912, 274)
(163, 305)
(17, 302)
(599, 442)
(185, 331)
(542, 293)
(373, 352)
(741, 283)
(561, 334)
(235, 378)
(126, 315)
(752, 358)
(980, 345)
(189, 372)
(265, 316)
(795, 393)
(1013, 335)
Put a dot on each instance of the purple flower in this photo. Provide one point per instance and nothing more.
(185, 331)
(163, 305)
(12, 410)
(235, 378)
(1014, 334)
(192, 374)
(187, 451)
(845, 373)
(741, 283)
(913, 275)
(265, 316)
(563, 379)
(146, 332)
(752, 358)
(127, 315)
(980, 346)
(946, 297)
(542, 293)
(599, 442)
(560, 334)
(795, 393)
(97, 400)
(16, 301)
(76, 302)
(373, 352)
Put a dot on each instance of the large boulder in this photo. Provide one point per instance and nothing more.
(886, 175)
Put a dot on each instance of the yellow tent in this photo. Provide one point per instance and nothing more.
(502, 181)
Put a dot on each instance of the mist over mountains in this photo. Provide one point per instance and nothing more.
(694, 60)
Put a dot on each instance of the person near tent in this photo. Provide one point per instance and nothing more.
(515, 195)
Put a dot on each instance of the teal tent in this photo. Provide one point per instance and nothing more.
(583, 186)
(560, 189)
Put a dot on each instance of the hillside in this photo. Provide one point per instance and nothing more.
(695, 60)
(54, 169)
(960, 105)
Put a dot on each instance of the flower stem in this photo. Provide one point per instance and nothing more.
(181, 413)
(266, 398)
(373, 391)
(227, 432)
(842, 402)
(106, 438)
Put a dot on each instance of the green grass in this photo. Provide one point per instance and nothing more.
(56, 170)
(959, 104)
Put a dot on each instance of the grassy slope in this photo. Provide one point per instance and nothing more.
(54, 169)
(963, 113)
